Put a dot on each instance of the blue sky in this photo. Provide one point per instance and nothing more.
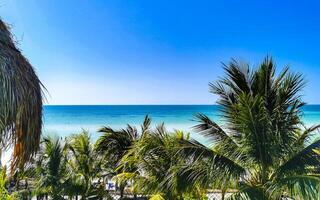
(159, 52)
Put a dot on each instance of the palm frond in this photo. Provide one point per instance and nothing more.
(195, 151)
(145, 127)
(306, 134)
(238, 76)
(248, 192)
(251, 121)
(115, 143)
(213, 131)
(298, 186)
(307, 157)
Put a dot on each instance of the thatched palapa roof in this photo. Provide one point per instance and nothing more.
(20, 100)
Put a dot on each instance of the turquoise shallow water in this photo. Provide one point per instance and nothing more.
(66, 120)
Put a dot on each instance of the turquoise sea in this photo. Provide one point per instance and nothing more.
(66, 120)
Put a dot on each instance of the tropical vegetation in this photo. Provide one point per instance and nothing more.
(262, 150)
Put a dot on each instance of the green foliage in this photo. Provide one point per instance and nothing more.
(113, 145)
(51, 168)
(63, 168)
(4, 195)
(157, 197)
(85, 164)
(263, 149)
(151, 164)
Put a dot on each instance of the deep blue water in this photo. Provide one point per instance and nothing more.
(66, 120)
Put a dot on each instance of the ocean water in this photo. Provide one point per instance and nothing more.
(66, 120)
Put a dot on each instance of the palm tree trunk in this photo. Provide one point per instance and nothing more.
(121, 191)
(223, 194)
(0, 158)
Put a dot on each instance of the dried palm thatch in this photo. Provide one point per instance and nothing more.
(20, 101)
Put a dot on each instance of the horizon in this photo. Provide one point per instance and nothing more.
(145, 105)
(158, 53)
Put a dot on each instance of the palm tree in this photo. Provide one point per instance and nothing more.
(263, 148)
(114, 144)
(20, 100)
(86, 166)
(51, 169)
(156, 163)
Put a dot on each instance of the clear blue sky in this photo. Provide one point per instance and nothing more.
(159, 52)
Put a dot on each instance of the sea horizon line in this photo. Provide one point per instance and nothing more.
(146, 105)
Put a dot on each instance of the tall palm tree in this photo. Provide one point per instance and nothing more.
(51, 168)
(20, 100)
(86, 166)
(114, 144)
(263, 148)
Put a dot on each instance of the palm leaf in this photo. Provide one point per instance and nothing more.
(195, 151)
(145, 127)
(306, 134)
(213, 131)
(248, 192)
(307, 157)
(298, 186)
